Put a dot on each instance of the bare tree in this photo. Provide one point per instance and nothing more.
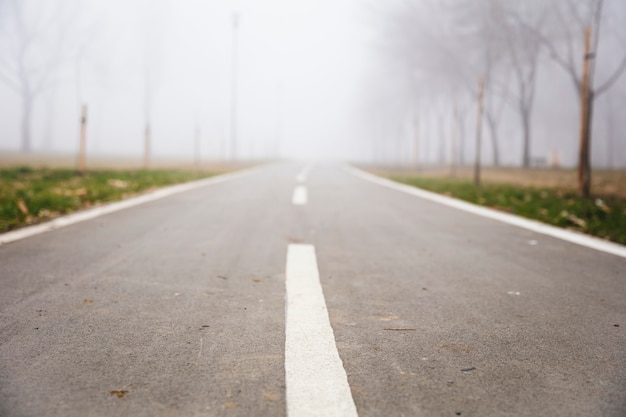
(153, 26)
(36, 37)
(30, 61)
(439, 46)
(575, 50)
(519, 22)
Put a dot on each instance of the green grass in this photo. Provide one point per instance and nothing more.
(602, 216)
(29, 195)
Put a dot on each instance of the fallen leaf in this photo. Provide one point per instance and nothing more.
(117, 183)
(119, 393)
(22, 206)
(399, 329)
(602, 206)
(572, 218)
(456, 348)
(271, 396)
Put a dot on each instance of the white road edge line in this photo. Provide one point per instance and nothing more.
(299, 197)
(317, 384)
(535, 226)
(82, 216)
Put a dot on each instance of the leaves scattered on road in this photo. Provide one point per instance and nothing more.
(458, 348)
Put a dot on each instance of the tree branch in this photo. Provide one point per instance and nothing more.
(10, 82)
(554, 54)
(612, 79)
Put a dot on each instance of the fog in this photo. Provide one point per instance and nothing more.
(392, 82)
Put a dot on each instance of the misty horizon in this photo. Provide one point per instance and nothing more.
(313, 79)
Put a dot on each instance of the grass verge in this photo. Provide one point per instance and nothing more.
(602, 216)
(29, 195)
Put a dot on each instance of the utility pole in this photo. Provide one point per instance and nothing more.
(479, 125)
(234, 85)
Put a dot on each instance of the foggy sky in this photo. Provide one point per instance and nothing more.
(315, 79)
(299, 69)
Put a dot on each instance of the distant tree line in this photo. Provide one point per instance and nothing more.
(462, 59)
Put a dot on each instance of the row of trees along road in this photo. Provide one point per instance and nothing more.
(456, 51)
(51, 46)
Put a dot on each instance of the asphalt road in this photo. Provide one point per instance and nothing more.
(177, 307)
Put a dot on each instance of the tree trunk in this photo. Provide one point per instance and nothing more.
(416, 143)
(526, 137)
(584, 156)
(442, 142)
(146, 149)
(453, 144)
(27, 109)
(50, 119)
(461, 146)
(479, 125)
(493, 131)
(197, 145)
(610, 134)
(586, 111)
(82, 150)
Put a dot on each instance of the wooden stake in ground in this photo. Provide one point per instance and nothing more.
(146, 148)
(586, 95)
(479, 125)
(82, 150)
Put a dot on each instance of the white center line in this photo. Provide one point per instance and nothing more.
(299, 197)
(317, 384)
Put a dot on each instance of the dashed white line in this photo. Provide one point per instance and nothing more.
(577, 238)
(317, 384)
(304, 174)
(300, 196)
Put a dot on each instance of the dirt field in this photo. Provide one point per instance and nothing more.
(39, 160)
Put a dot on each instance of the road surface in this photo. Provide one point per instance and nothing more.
(304, 290)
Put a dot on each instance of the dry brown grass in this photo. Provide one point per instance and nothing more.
(604, 182)
(56, 160)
